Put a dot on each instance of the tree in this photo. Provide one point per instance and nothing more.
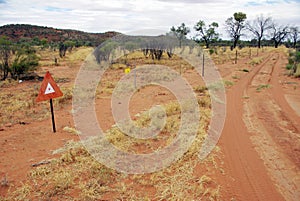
(5, 56)
(62, 50)
(294, 61)
(156, 46)
(207, 34)
(294, 34)
(259, 26)
(69, 45)
(44, 43)
(16, 59)
(180, 32)
(105, 50)
(235, 25)
(279, 33)
(36, 41)
(24, 61)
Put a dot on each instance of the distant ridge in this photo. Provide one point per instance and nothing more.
(17, 32)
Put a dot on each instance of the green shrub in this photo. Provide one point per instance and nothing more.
(289, 66)
(293, 65)
(228, 83)
(262, 86)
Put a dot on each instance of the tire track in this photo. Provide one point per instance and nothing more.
(249, 178)
(274, 129)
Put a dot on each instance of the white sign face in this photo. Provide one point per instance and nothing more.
(49, 89)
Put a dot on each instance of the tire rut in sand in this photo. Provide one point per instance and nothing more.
(274, 134)
(249, 178)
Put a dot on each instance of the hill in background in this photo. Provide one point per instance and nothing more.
(24, 32)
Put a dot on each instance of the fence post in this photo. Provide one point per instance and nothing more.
(203, 64)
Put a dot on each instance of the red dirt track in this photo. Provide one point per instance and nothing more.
(252, 173)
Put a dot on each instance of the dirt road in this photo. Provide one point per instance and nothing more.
(260, 139)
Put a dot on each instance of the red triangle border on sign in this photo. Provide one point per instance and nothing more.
(57, 92)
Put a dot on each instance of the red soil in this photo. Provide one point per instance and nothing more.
(260, 141)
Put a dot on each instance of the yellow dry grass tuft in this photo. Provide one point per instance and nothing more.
(255, 61)
(79, 54)
(77, 171)
(71, 130)
(76, 175)
(20, 106)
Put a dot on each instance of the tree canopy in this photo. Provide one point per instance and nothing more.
(259, 26)
(235, 25)
(279, 33)
(294, 34)
(207, 33)
(180, 32)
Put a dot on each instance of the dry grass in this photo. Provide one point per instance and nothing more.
(77, 55)
(200, 89)
(137, 58)
(77, 171)
(19, 106)
(66, 99)
(223, 55)
(22, 193)
(255, 61)
(8, 83)
(228, 83)
(76, 175)
(263, 86)
(134, 60)
(71, 130)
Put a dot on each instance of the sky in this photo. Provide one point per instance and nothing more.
(149, 17)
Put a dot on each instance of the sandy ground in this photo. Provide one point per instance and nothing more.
(260, 141)
(261, 135)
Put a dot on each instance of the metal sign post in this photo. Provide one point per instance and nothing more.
(52, 114)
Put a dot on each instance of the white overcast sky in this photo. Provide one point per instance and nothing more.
(133, 15)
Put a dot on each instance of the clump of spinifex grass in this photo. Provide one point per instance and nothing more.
(76, 175)
(256, 61)
(221, 55)
(263, 86)
(19, 106)
(137, 58)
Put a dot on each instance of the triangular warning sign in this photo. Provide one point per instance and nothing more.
(49, 89)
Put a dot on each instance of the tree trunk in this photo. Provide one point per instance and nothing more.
(295, 68)
(5, 70)
(235, 43)
(259, 42)
(170, 54)
(206, 43)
